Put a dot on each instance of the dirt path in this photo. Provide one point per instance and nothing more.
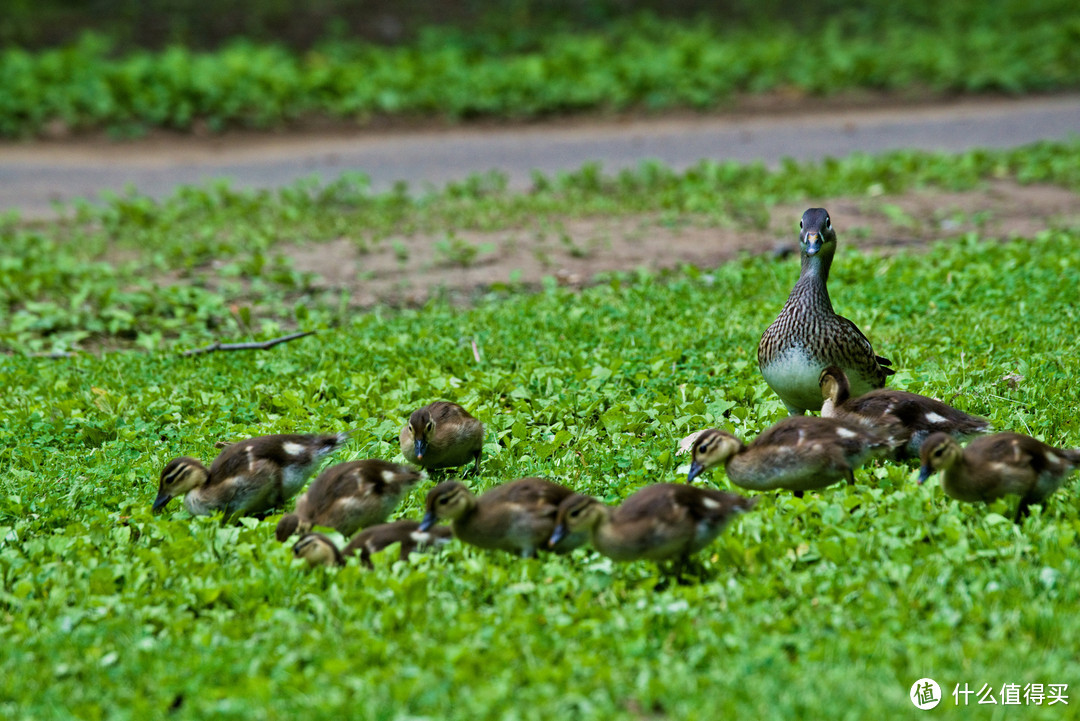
(34, 175)
(407, 271)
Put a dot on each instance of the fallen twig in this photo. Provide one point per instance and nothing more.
(55, 355)
(254, 345)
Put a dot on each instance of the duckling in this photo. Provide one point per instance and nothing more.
(250, 477)
(909, 417)
(518, 516)
(799, 453)
(1002, 464)
(442, 435)
(405, 532)
(807, 336)
(317, 550)
(349, 496)
(665, 521)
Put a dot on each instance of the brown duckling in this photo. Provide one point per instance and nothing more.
(808, 335)
(518, 516)
(249, 477)
(349, 496)
(661, 522)
(406, 532)
(442, 435)
(317, 550)
(799, 453)
(1002, 464)
(908, 417)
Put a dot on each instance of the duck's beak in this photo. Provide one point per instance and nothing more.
(428, 522)
(695, 471)
(419, 448)
(924, 473)
(813, 243)
(557, 535)
(161, 501)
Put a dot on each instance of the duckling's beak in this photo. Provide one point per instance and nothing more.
(813, 243)
(695, 471)
(428, 522)
(924, 473)
(420, 448)
(557, 535)
(161, 501)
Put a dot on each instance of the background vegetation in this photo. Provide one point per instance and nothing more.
(828, 606)
(157, 23)
(517, 61)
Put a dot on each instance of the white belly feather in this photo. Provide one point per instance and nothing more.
(793, 374)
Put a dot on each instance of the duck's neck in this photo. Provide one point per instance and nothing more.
(812, 287)
(197, 503)
(840, 394)
(742, 448)
(600, 533)
(958, 483)
(467, 513)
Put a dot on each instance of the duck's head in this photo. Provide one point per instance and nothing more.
(179, 476)
(939, 451)
(834, 385)
(712, 448)
(816, 235)
(317, 550)
(576, 513)
(447, 501)
(422, 427)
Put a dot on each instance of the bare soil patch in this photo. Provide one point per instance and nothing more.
(409, 270)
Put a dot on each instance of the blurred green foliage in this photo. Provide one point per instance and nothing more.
(520, 23)
(639, 63)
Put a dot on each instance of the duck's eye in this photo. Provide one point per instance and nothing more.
(444, 500)
(828, 223)
(575, 513)
(800, 225)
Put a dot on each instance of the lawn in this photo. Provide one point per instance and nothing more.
(829, 606)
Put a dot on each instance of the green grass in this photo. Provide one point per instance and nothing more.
(640, 63)
(824, 607)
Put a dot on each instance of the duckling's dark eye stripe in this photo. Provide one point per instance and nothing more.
(174, 474)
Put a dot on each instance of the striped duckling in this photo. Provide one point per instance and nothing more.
(1002, 464)
(349, 496)
(318, 550)
(808, 336)
(442, 435)
(405, 532)
(660, 522)
(799, 453)
(518, 516)
(250, 477)
(907, 417)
